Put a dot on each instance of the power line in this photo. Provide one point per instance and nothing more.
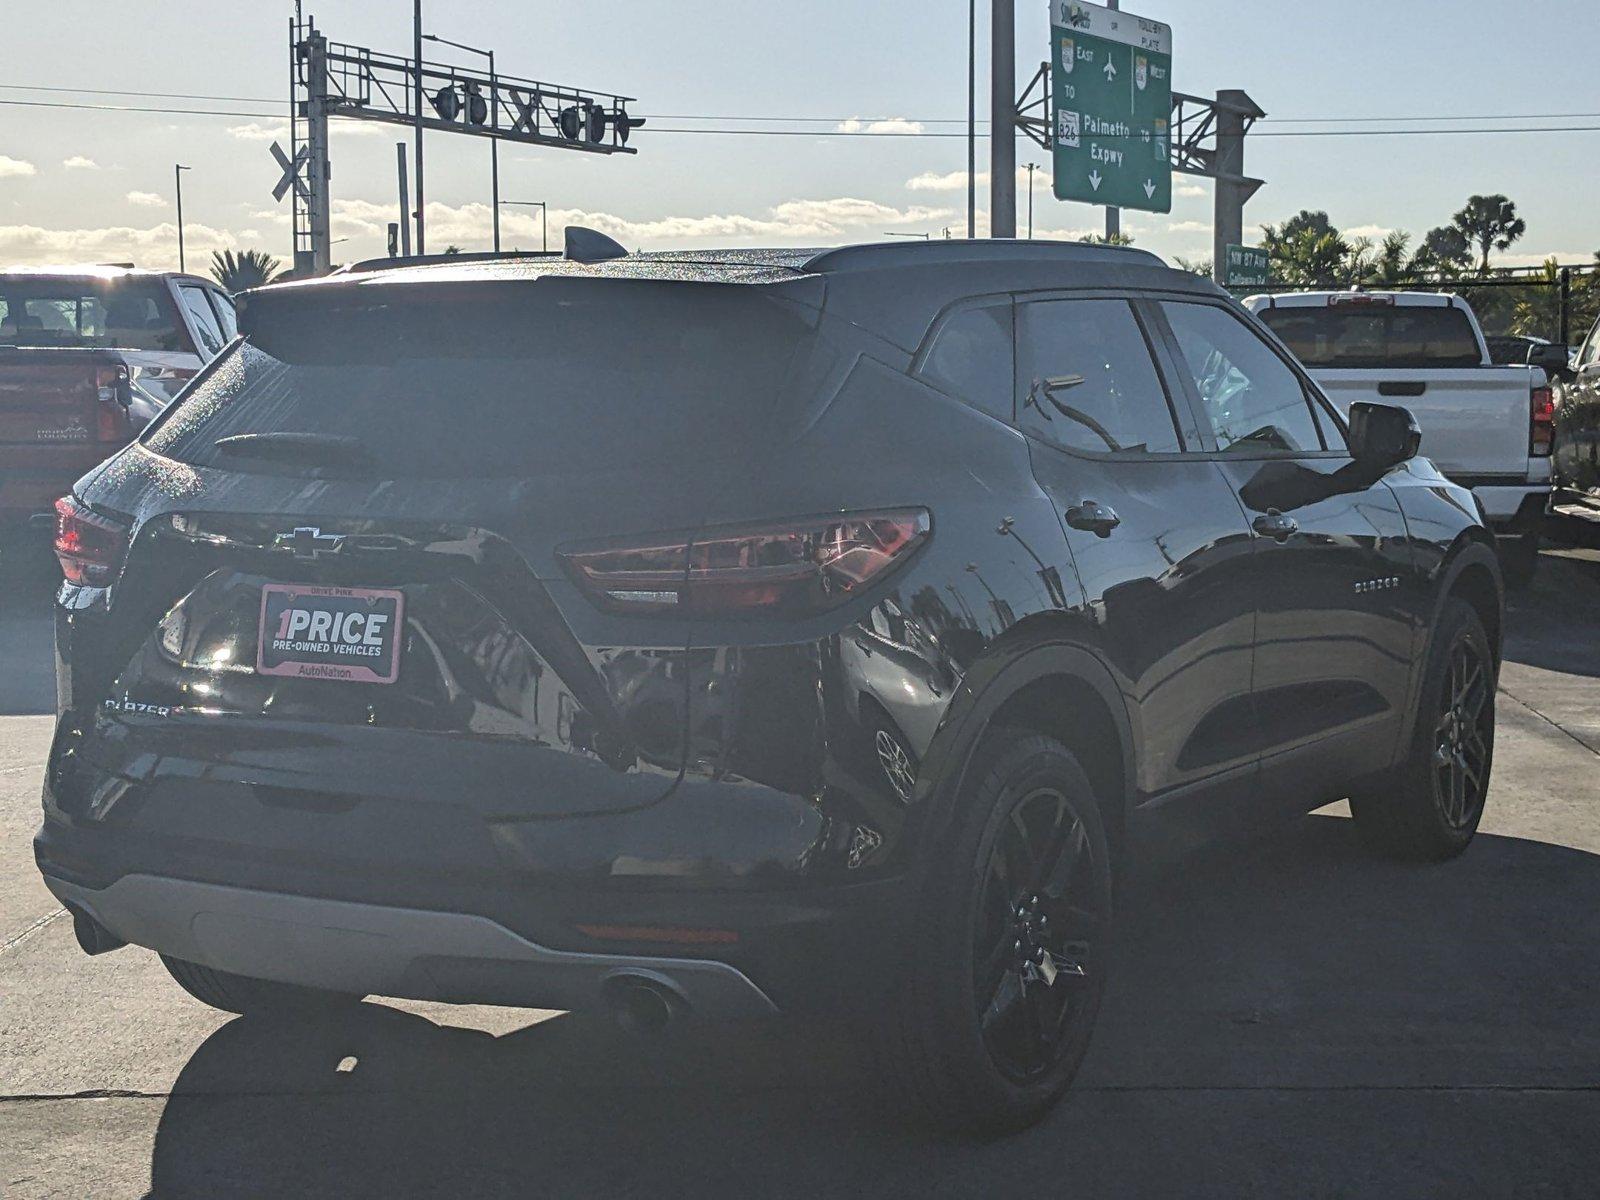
(23, 87)
(849, 133)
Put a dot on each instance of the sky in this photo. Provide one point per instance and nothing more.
(82, 184)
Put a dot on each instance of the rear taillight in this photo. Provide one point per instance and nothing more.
(780, 568)
(111, 390)
(1541, 423)
(90, 546)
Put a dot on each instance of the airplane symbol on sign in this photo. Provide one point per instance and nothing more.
(1111, 70)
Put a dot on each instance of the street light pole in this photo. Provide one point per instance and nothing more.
(1113, 215)
(544, 219)
(494, 121)
(177, 174)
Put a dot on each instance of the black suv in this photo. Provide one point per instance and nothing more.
(741, 633)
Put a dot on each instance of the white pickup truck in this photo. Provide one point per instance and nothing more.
(1487, 427)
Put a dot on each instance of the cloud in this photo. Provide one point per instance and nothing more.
(147, 199)
(1188, 189)
(953, 181)
(278, 131)
(1376, 232)
(156, 246)
(1189, 227)
(892, 125)
(15, 168)
(79, 163)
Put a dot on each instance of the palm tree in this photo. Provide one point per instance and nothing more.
(1306, 249)
(1489, 222)
(247, 269)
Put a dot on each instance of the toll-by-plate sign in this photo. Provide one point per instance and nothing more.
(1111, 74)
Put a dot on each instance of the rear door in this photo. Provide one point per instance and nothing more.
(1160, 546)
(1337, 600)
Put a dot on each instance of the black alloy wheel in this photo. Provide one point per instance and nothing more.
(1463, 735)
(1036, 935)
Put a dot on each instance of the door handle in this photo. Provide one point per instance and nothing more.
(1093, 517)
(1402, 387)
(1275, 525)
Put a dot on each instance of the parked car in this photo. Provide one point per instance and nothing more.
(523, 633)
(88, 355)
(1487, 427)
(1577, 436)
(1518, 350)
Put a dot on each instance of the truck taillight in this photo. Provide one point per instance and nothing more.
(89, 545)
(1541, 424)
(780, 568)
(113, 397)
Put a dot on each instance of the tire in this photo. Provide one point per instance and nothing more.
(960, 1035)
(1428, 807)
(241, 994)
(1519, 559)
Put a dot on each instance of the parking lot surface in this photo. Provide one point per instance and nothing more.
(1289, 1017)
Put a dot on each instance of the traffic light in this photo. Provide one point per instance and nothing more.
(446, 103)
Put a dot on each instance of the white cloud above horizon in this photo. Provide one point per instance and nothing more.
(146, 199)
(890, 125)
(78, 162)
(16, 168)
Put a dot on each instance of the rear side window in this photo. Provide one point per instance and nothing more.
(1252, 399)
(1086, 380)
(971, 358)
(204, 320)
(226, 317)
(127, 313)
(507, 379)
(1376, 335)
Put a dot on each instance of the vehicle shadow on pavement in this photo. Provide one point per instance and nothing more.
(1555, 624)
(27, 669)
(1289, 1017)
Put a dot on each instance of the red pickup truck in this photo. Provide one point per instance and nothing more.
(87, 356)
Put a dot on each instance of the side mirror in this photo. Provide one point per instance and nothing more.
(1383, 435)
(1552, 359)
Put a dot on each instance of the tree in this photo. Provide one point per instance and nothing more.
(1388, 264)
(1306, 249)
(1445, 250)
(1489, 222)
(452, 248)
(247, 269)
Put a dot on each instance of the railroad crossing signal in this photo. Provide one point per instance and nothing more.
(1111, 77)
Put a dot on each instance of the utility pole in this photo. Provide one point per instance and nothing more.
(1113, 215)
(177, 175)
(416, 101)
(1002, 121)
(972, 118)
(405, 200)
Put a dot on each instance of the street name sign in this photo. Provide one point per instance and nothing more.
(1246, 266)
(1111, 83)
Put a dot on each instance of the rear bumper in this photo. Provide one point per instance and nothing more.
(32, 480)
(371, 949)
(1517, 508)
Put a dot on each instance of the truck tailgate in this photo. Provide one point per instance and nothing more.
(1474, 419)
(50, 397)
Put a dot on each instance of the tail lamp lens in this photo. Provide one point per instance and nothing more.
(1541, 426)
(89, 546)
(787, 568)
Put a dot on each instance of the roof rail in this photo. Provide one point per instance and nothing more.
(949, 251)
(421, 260)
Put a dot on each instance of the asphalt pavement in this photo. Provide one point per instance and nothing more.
(1288, 1017)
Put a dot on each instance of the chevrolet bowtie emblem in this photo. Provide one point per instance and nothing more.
(310, 542)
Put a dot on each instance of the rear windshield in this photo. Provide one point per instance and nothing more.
(1374, 335)
(128, 313)
(495, 383)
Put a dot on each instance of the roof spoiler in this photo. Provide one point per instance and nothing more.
(592, 246)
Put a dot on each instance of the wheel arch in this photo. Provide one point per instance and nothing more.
(1062, 690)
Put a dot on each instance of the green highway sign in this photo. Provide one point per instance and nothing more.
(1246, 266)
(1111, 76)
